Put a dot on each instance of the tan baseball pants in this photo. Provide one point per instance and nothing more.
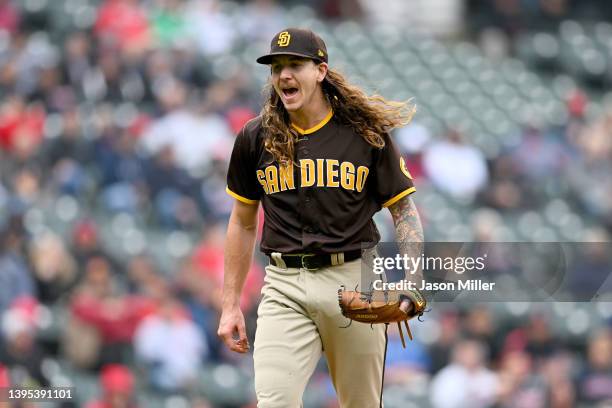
(298, 319)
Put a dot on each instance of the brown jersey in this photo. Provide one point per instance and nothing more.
(325, 202)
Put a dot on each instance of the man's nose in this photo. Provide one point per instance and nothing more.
(285, 73)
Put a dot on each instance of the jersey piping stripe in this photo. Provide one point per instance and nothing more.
(315, 127)
(399, 197)
(239, 197)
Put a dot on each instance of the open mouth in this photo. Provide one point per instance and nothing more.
(289, 92)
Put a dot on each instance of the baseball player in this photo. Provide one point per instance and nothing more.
(320, 161)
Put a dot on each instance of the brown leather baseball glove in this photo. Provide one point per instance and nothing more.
(382, 307)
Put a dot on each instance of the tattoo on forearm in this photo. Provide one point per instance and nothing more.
(407, 222)
(408, 231)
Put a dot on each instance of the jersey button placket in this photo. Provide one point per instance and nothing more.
(306, 193)
(304, 153)
(303, 147)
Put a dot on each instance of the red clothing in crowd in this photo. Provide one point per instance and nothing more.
(116, 380)
(9, 17)
(208, 259)
(5, 380)
(21, 125)
(122, 21)
(116, 319)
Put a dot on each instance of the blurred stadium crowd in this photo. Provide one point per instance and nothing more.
(116, 123)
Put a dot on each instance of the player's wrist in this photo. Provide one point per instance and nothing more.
(230, 304)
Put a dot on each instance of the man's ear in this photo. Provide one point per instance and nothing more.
(322, 67)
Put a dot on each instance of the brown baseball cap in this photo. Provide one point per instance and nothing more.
(296, 41)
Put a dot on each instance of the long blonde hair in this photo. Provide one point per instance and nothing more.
(368, 116)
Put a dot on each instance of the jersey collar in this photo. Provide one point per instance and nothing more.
(315, 127)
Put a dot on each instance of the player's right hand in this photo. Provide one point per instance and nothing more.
(232, 330)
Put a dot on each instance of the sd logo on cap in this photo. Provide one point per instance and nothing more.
(283, 39)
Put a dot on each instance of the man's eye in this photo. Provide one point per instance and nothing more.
(279, 68)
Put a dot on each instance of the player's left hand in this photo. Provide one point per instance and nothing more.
(406, 306)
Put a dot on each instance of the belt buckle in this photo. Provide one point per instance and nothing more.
(305, 256)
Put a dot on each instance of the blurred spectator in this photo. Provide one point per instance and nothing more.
(4, 198)
(594, 142)
(50, 91)
(487, 225)
(168, 23)
(506, 189)
(70, 145)
(540, 155)
(26, 186)
(551, 14)
(143, 277)
(201, 298)
(122, 171)
(123, 23)
(535, 338)
(77, 60)
(100, 305)
(23, 59)
(86, 245)
(110, 77)
(221, 97)
(405, 366)
(193, 137)
(117, 384)
(595, 382)
(455, 167)
(212, 29)
(260, 20)
(557, 372)
(508, 15)
(68, 155)
(172, 190)
(20, 351)
(159, 66)
(466, 381)
(4, 377)
(577, 102)
(21, 127)
(53, 266)
(519, 385)
(594, 164)
(343, 9)
(15, 276)
(450, 332)
(215, 201)
(190, 68)
(171, 347)
(588, 272)
(478, 324)
(9, 16)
